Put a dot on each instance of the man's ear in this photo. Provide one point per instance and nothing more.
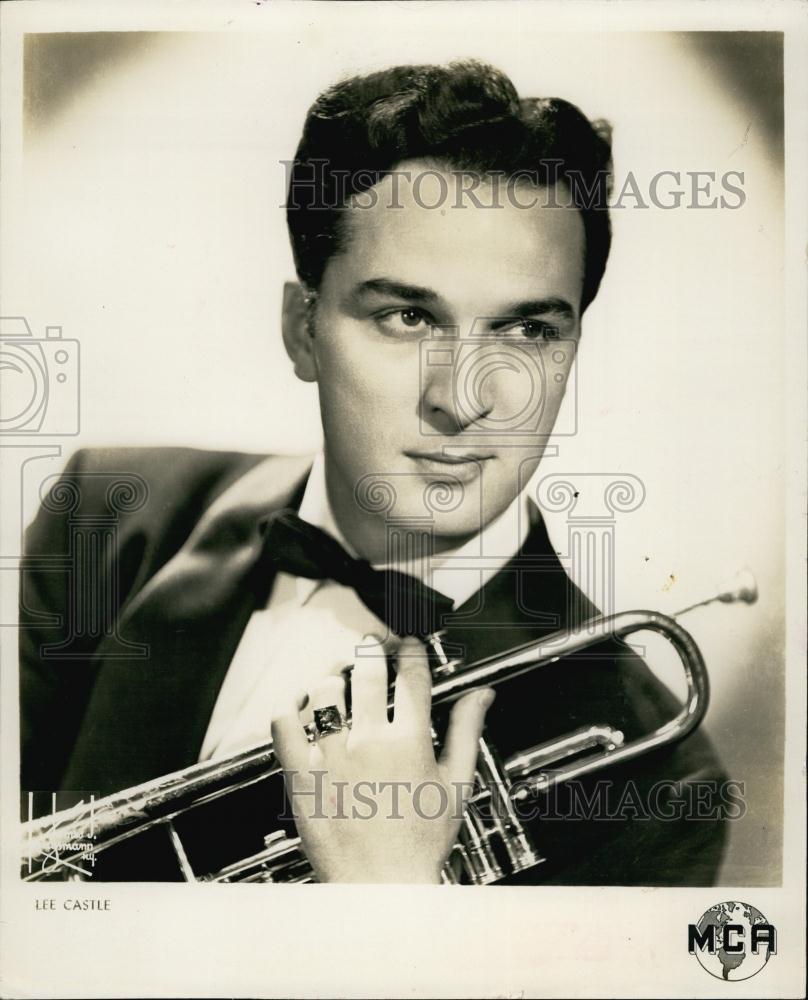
(298, 335)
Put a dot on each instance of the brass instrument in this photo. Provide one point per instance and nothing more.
(492, 843)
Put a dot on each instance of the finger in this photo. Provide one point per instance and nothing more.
(369, 686)
(289, 738)
(413, 693)
(465, 728)
(328, 692)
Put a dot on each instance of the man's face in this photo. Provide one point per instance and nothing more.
(436, 351)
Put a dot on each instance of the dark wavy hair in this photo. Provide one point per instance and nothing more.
(466, 115)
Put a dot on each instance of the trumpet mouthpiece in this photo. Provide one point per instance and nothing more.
(740, 587)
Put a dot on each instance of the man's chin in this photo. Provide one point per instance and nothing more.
(443, 507)
(452, 529)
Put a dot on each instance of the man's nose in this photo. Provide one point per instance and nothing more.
(445, 406)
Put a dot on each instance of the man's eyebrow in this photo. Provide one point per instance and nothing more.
(539, 307)
(397, 289)
(418, 293)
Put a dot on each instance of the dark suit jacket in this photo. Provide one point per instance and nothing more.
(141, 572)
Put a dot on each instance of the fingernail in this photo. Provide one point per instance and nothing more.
(486, 698)
(370, 637)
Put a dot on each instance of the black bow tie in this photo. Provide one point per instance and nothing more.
(406, 605)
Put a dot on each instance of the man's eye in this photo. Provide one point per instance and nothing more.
(411, 317)
(534, 329)
(525, 328)
(403, 321)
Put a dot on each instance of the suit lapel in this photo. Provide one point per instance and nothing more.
(148, 717)
(530, 597)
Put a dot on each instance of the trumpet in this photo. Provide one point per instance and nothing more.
(492, 843)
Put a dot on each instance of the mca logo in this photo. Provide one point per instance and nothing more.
(732, 941)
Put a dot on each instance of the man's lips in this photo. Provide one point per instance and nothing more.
(439, 456)
(460, 468)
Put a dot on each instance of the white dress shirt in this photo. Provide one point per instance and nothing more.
(311, 628)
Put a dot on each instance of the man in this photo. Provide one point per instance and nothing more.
(448, 238)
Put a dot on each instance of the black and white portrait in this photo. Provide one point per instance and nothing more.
(396, 460)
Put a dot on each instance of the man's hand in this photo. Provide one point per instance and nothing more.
(372, 804)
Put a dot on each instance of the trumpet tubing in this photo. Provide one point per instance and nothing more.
(492, 842)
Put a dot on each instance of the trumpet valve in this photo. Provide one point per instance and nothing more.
(441, 663)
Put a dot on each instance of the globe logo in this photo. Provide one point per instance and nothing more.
(732, 941)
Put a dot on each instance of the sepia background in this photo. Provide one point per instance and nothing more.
(150, 230)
